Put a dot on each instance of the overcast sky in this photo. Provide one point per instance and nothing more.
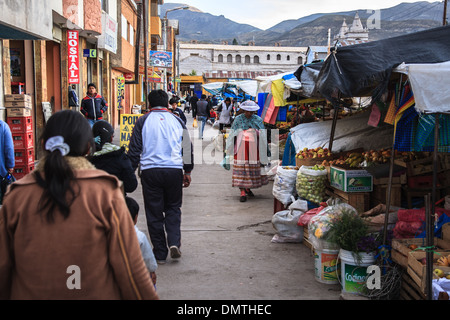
(265, 14)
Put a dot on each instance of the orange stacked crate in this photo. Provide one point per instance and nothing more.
(20, 122)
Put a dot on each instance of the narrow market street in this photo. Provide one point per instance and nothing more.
(227, 253)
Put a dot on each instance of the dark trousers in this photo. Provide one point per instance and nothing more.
(162, 189)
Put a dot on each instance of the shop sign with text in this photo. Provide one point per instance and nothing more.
(73, 56)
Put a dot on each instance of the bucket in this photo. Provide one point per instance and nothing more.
(354, 272)
(326, 265)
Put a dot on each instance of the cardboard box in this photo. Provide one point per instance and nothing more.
(18, 112)
(20, 124)
(351, 180)
(18, 104)
(18, 97)
(417, 270)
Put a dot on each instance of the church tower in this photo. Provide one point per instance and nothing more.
(353, 33)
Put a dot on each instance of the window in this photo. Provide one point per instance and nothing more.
(104, 4)
(131, 34)
(124, 27)
(268, 57)
(256, 59)
(299, 60)
(278, 57)
(247, 59)
(229, 58)
(220, 58)
(238, 59)
(288, 58)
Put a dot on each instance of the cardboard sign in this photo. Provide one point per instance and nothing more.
(127, 122)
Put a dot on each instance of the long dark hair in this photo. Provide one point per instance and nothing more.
(58, 182)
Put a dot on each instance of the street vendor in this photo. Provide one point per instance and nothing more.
(247, 142)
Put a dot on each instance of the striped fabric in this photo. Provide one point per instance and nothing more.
(248, 176)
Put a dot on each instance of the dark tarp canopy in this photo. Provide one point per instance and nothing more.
(307, 75)
(365, 69)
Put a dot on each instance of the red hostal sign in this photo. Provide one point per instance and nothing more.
(73, 55)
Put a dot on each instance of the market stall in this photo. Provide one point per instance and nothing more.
(406, 126)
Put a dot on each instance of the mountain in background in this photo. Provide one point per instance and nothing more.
(306, 31)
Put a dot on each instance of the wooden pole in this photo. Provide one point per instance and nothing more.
(444, 19)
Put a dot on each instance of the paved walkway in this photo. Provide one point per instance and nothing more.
(227, 253)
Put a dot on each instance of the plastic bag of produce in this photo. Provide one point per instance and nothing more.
(285, 222)
(284, 184)
(319, 225)
(311, 183)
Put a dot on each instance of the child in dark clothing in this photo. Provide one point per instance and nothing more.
(146, 249)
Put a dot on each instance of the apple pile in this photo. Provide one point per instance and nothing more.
(312, 187)
(313, 153)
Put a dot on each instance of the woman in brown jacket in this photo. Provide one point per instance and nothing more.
(65, 229)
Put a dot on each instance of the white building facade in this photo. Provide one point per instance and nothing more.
(205, 58)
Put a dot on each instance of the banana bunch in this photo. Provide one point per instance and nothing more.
(443, 261)
(354, 159)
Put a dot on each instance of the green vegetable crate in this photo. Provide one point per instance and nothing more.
(351, 180)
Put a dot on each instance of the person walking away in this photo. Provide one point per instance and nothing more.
(93, 105)
(7, 160)
(145, 246)
(247, 142)
(161, 145)
(226, 110)
(203, 114)
(112, 158)
(84, 245)
(173, 106)
(73, 98)
(193, 102)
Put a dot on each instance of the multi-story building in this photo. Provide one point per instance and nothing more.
(235, 62)
(47, 47)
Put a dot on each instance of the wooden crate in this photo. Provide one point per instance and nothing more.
(306, 241)
(380, 195)
(395, 180)
(409, 290)
(400, 248)
(423, 166)
(358, 200)
(417, 270)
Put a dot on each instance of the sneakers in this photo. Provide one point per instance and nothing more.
(161, 261)
(175, 253)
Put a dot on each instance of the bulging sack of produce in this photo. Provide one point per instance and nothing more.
(284, 184)
(311, 183)
(285, 222)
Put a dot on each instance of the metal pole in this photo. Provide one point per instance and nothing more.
(388, 200)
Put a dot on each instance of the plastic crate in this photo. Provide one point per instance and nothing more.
(23, 140)
(24, 157)
(20, 124)
(21, 171)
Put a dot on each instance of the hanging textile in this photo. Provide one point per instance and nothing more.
(405, 122)
(267, 103)
(278, 92)
(390, 115)
(424, 137)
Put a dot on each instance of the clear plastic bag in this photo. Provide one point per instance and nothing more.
(311, 183)
(320, 224)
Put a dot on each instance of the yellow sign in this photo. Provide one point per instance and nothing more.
(127, 122)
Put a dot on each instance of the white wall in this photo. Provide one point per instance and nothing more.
(30, 16)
